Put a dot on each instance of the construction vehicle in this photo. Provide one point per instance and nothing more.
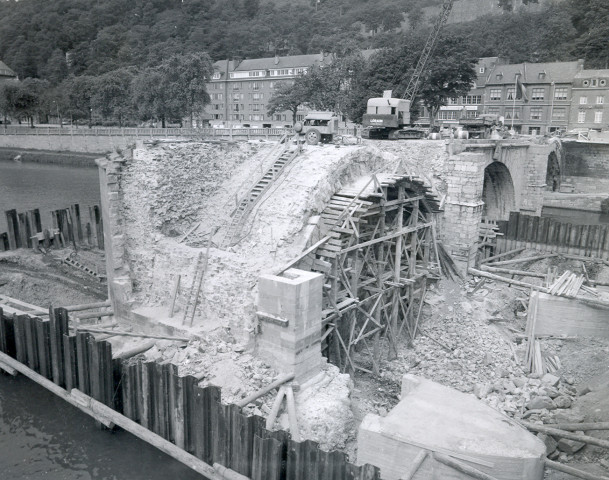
(388, 117)
(481, 126)
(318, 127)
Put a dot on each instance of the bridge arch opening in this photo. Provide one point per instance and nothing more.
(498, 192)
(553, 173)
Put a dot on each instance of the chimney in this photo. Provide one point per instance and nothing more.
(276, 59)
(580, 64)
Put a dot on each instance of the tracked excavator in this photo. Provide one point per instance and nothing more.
(388, 117)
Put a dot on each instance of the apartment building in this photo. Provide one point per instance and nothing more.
(240, 90)
(472, 104)
(590, 100)
(532, 98)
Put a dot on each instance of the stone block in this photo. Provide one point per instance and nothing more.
(570, 446)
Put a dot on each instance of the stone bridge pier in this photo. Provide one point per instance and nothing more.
(489, 179)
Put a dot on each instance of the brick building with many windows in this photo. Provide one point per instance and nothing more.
(590, 104)
(240, 90)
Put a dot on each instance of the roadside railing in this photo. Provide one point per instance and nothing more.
(227, 132)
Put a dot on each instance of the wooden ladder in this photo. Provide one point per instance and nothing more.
(247, 203)
(195, 289)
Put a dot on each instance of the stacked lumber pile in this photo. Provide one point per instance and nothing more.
(568, 284)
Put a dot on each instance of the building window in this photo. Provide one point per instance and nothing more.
(512, 114)
(559, 113)
(258, 96)
(600, 100)
(598, 117)
(583, 100)
(217, 76)
(537, 94)
(453, 101)
(256, 107)
(481, 70)
(256, 85)
(593, 83)
(560, 93)
(237, 86)
(474, 99)
(495, 94)
(511, 92)
(536, 113)
(581, 117)
(493, 110)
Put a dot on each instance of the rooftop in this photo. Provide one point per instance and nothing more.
(558, 72)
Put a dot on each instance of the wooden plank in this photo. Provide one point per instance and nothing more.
(25, 231)
(77, 223)
(303, 460)
(565, 316)
(70, 373)
(128, 392)
(31, 341)
(20, 343)
(43, 340)
(7, 334)
(99, 229)
(83, 362)
(266, 462)
(220, 421)
(111, 372)
(12, 222)
(188, 385)
(94, 370)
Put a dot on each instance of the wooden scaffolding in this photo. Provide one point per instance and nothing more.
(377, 252)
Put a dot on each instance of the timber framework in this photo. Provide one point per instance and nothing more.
(377, 252)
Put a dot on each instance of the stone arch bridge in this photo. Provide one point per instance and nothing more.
(488, 179)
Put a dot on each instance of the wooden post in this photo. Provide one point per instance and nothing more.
(25, 231)
(4, 242)
(14, 237)
(99, 229)
(77, 225)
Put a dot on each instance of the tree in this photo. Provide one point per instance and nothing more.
(449, 74)
(112, 96)
(288, 97)
(9, 91)
(174, 89)
(22, 100)
(79, 92)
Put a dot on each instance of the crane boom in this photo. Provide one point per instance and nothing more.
(413, 83)
(388, 117)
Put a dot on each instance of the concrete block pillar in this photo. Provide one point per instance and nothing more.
(463, 207)
(535, 169)
(289, 311)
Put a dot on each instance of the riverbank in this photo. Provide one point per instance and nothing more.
(48, 157)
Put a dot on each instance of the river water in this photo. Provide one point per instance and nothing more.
(26, 186)
(44, 438)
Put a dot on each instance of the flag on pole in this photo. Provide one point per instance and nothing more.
(521, 91)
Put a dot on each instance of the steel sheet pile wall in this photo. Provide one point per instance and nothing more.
(172, 406)
(549, 235)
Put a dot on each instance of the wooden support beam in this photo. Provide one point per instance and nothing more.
(132, 352)
(88, 306)
(130, 334)
(555, 432)
(523, 273)
(559, 467)
(8, 369)
(416, 464)
(263, 391)
(462, 467)
(384, 238)
(480, 273)
(572, 427)
(289, 395)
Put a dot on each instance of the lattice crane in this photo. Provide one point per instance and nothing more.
(388, 117)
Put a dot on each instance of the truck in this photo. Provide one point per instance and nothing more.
(318, 127)
(481, 126)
